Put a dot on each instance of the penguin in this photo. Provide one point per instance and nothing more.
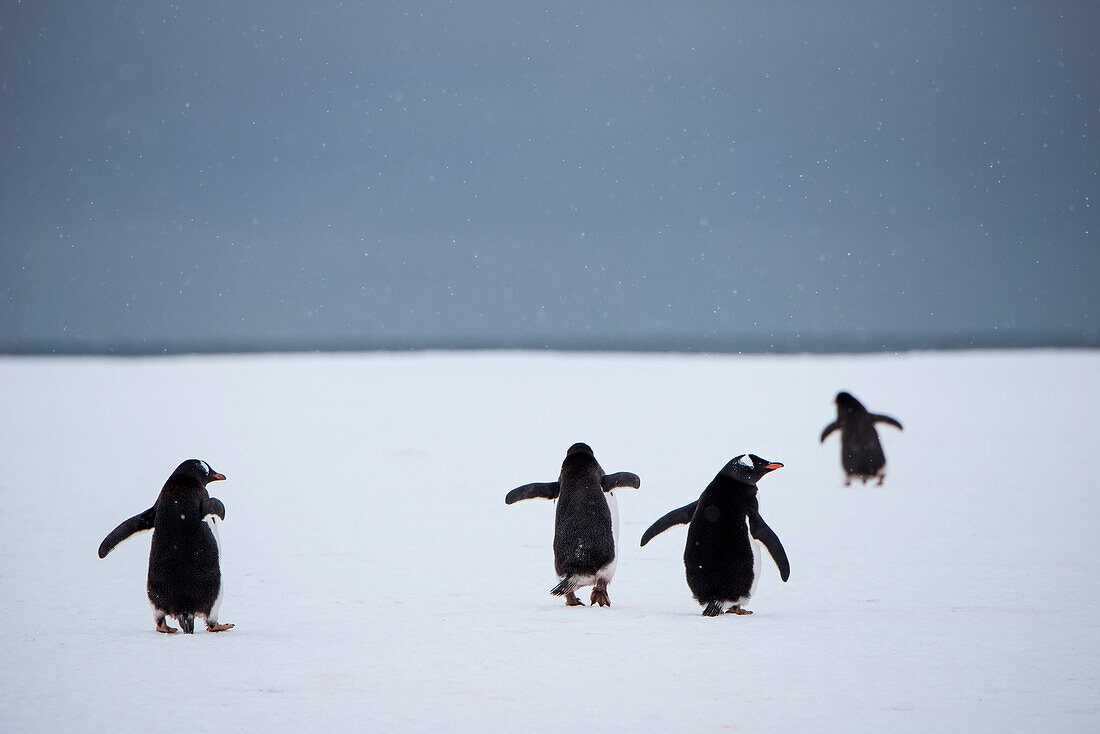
(860, 451)
(586, 523)
(722, 555)
(184, 572)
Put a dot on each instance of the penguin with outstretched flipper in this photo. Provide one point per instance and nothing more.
(725, 532)
(586, 524)
(860, 450)
(184, 558)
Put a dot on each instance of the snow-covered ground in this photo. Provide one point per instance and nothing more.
(378, 581)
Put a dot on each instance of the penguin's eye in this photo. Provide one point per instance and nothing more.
(205, 467)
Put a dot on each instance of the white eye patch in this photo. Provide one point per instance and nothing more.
(745, 461)
(205, 466)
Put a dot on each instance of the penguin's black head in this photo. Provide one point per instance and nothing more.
(579, 457)
(748, 468)
(845, 403)
(198, 470)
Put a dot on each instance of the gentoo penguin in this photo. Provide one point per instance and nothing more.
(184, 572)
(586, 526)
(860, 451)
(721, 559)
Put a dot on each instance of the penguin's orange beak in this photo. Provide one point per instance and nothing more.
(773, 466)
(214, 476)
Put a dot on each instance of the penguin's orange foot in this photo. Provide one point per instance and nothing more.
(571, 600)
(599, 596)
(879, 483)
(162, 626)
(738, 610)
(219, 627)
(599, 593)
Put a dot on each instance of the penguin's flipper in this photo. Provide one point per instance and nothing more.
(212, 506)
(136, 524)
(621, 480)
(538, 490)
(829, 429)
(767, 536)
(680, 516)
(879, 418)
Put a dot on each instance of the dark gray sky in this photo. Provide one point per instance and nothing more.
(567, 172)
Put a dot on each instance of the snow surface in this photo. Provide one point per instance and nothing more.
(378, 580)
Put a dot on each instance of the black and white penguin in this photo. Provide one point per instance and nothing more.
(586, 526)
(184, 570)
(722, 555)
(860, 451)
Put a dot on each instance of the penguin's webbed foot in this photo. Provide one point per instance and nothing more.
(571, 600)
(599, 596)
(736, 609)
(162, 626)
(880, 480)
(219, 627)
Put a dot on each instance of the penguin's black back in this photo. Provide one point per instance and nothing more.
(583, 539)
(718, 557)
(861, 452)
(184, 571)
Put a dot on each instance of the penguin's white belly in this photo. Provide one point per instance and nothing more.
(608, 571)
(212, 521)
(757, 555)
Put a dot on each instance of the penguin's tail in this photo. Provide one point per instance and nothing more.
(713, 609)
(567, 586)
(187, 623)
